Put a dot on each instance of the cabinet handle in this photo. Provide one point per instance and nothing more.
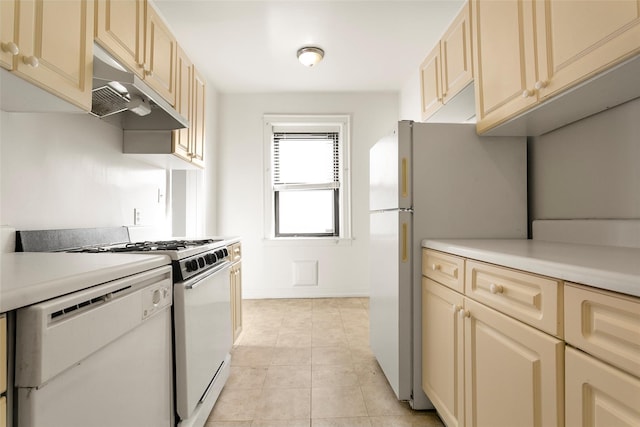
(464, 314)
(541, 84)
(495, 289)
(527, 93)
(148, 73)
(435, 267)
(456, 308)
(10, 47)
(31, 61)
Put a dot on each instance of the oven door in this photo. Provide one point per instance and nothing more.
(203, 336)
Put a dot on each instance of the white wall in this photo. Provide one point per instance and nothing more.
(267, 267)
(588, 169)
(410, 98)
(64, 170)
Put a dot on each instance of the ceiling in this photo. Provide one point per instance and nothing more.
(250, 46)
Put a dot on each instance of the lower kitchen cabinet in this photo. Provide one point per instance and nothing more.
(3, 370)
(236, 289)
(599, 395)
(443, 351)
(3, 411)
(514, 373)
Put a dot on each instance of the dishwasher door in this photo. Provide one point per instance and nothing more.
(99, 357)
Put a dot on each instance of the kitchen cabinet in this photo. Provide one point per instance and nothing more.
(54, 45)
(188, 144)
(443, 351)
(525, 52)
(599, 395)
(503, 355)
(8, 46)
(236, 290)
(182, 138)
(603, 361)
(3, 370)
(120, 29)
(448, 68)
(475, 355)
(135, 34)
(160, 56)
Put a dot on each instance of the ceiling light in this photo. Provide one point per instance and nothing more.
(310, 56)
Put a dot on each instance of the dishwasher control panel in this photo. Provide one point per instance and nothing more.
(155, 298)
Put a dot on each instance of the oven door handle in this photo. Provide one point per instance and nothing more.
(196, 281)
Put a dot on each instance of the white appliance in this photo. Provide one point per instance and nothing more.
(431, 180)
(99, 357)
(201, 306)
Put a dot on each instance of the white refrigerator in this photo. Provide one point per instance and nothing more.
(431, 180)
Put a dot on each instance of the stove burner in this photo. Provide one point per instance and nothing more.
(148, 246)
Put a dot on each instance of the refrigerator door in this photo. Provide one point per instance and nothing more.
(390, 170)
(390, 297)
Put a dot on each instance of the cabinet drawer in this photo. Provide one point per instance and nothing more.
(532, 299)
(444, 268)
(604, 324)
(235, 252)
(3, 354)
(598, 394)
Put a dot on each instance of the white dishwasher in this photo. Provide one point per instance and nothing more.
(100, 357)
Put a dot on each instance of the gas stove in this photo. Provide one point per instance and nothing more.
(189, 257)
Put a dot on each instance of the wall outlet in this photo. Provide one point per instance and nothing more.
(137, 216)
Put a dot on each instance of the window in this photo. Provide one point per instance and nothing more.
(307, 177)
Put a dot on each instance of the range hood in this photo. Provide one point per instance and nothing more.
(121, 97)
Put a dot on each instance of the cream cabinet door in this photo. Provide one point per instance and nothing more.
(3, 354)
(430, 83)
(120, 26)
(504, 59)
(197, 124)
(160, 56)
(8, 45)
(514, 373)
(455, 48)
(184, 105)
(3, 411)
(443, 351)
(236, 300)
(55, 38)
(580, 38)
(599, 395)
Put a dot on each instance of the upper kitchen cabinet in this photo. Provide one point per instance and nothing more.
(135, 34)
(52, 45)
(528, 51)
(188, 143)
(160, 56)
(446, 71)
(8, 46)
(120, 29)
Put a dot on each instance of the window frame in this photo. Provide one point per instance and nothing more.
(276, 123)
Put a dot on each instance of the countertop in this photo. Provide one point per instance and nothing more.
(605, 267)
(31, 277)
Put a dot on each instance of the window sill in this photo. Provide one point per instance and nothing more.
(308, 241)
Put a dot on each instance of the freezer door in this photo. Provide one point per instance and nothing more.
(390, 170)
(390, 297)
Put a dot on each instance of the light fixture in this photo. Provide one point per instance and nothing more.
(310, 55)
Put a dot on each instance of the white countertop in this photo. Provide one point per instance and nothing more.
(605, 267)
(30, 277)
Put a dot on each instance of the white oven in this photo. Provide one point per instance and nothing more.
(203, 341)
(99, 357)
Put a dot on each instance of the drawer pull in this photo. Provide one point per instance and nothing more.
(464, 313)
(495, 289)
(435, 267)
(456, 308)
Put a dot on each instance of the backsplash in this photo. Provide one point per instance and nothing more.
(62, 170)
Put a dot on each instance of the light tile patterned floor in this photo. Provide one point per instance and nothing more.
(307, 363)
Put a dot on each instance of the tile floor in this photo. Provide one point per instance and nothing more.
(307, 363)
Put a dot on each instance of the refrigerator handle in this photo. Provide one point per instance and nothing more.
(405, 249)
(404, 178)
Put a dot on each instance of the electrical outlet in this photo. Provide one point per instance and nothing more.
(137, 216)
